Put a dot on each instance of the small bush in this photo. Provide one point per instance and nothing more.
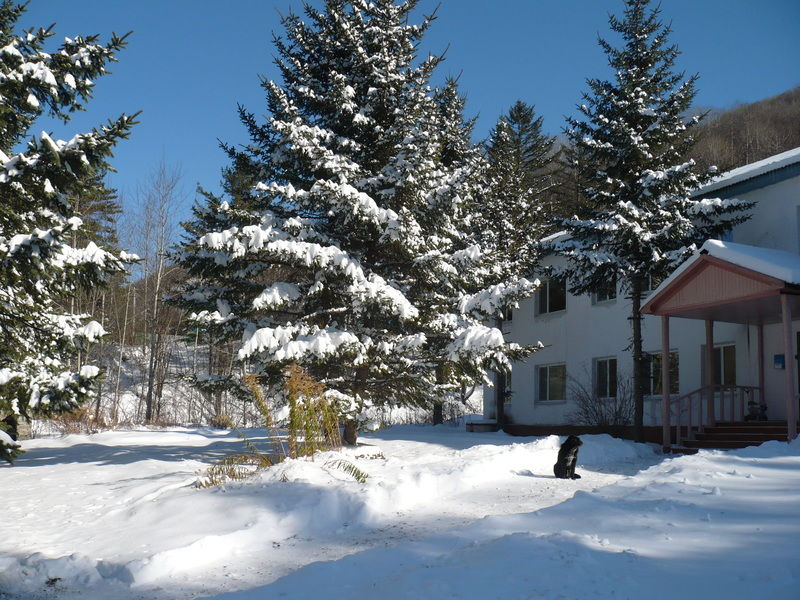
(313, 427)
(80, 420)
(221, 421)
(601, 412)
(313, 420)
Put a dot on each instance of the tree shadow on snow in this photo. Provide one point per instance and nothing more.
(103, 454)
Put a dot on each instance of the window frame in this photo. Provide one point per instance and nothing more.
(719, 361)
(719, 351)
(602, 365)
(543, 295)
(610, 289)
(654, 374)
(546, 369)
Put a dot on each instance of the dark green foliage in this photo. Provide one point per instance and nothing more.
(40, 264)
(98, 207)
(630, 153)
(515, 213)
(344, 241)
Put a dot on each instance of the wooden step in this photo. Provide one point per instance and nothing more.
(755, 436)
(721, 444)
(747, 430)
(753, 427)
(683, 450)
(739, 434)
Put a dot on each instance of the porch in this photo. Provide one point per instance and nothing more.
(734, 283)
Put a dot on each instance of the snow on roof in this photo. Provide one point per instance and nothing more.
(779, 264)
(772, 163)
(775, 263)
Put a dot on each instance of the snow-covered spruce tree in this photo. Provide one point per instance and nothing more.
(513, 215)
(351, 255)
(629, 150)
(39, 268)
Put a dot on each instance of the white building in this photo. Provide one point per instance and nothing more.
(587, 338)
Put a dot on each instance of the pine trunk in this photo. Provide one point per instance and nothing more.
(500, 392)
(11, 423)
(350, 436)
(438, 407)
(638, 362)
(438, 413)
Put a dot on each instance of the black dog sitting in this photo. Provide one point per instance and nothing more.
(567, 457)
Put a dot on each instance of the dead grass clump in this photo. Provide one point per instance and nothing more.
(313, 427)
(235, 467)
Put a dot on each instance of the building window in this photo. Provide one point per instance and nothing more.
(725, 364)
(607, 292)
(552, 383)
(605, 377)
(652, 378)
(552, 296)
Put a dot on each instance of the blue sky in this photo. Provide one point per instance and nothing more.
(189, 62)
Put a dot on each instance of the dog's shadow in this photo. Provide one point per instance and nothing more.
(529, 473)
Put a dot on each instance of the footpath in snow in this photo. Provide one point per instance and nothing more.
(444, 514)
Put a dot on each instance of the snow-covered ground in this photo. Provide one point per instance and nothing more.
(444, 514)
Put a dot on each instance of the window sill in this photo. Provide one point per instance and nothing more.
(551, 314)
(550, 402)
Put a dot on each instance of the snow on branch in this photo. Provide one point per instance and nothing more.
(492, 301)
(289, 342)
(270, 239)
(278, 294)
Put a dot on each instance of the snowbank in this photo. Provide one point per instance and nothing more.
(117, 516)
(714, 525)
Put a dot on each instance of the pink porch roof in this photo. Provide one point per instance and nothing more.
(730, 282)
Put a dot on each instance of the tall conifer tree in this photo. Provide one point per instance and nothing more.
(513, 215)
(630, 151)
(351, 255)
(38, 264)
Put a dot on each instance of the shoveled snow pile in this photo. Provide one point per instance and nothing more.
(716, 525)
(443, 513)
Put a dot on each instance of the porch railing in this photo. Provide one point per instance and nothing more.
(690, 412)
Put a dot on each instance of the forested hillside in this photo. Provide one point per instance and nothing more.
(749, 132)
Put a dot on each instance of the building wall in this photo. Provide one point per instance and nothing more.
(775, 222)
(586, 331)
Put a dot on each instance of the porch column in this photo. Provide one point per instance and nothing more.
(788, 353)
(711, 418)
(665, 385)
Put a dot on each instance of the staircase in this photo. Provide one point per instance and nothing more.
(725, 436)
